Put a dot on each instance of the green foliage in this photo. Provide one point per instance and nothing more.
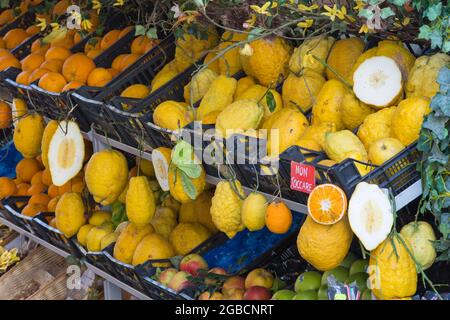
(434, 142)
(436, 23)
(119, 214)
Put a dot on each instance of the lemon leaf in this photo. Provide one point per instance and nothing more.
(188, 186)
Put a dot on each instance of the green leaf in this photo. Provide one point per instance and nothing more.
(366, 13)
(438, 156)
(182, 153)
(398, 3)
(433, 11)
(446, 46)
(188, 186)
(152, 33)
(119, 214)
(441, 103)
(436, 125)
(193, 170)
(386, 13)
(270, 100)
(424, 32)
(139, 30)
(4, 3)
(444, 79)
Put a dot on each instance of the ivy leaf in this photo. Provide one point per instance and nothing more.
(188, 186)
(438, 156)
(152, 33)
(444, 226)
(398, 3)
(441, 103)
(425, 141)
(424, 32)
(386, 13)
(433, 11)
(4, 3)
(366, 13)
(444, 79)
(139, 30)
(436, 125)
(446, 46)
(270, 100)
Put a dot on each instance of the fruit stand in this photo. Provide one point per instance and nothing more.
(191, 150)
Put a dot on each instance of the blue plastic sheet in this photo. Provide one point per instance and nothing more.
(9, 157)
(244, 248)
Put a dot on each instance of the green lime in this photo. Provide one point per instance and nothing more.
(349, 259)
(340, 273)
(360, 278)
(322, 294)
(306, 295)
(283, 295)
(308, 281)
(358, 266)
(366, 295)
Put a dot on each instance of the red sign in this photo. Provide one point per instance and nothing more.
(303, 177)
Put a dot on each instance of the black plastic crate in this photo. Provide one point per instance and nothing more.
(23, 21)
(97, 259)
(110, 118)
(52, 235)
(12, 213)
(6, 135)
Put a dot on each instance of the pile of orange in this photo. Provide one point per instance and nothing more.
(34, 180)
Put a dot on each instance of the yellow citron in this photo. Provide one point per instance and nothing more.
(376, 126)
(324, 246)
(218, 96)
(172, 115)
(254, 211)
(328, 106)
(18, 109)
(343, 56)
(230, 62)
(153, 247)
(354, 111)
(28, 135)
(100, 217)
(146, 168)
(259, 94)
(199, 85)
(301, 91)
(226, 207)
(164, 221)
(188, 235)
(95, 236)
(49, 130)
(106, 175)
(242, 85)
(140, 201)
(311, 55)
(108, 239)
(128, 240)
(69, 214)
(198, 211)
(318, 133)
(392, 271)
(82, 234)
(176, 185)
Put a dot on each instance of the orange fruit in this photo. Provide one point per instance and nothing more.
(9, 61)
(66, 187)
(47, 178)
(278, 217)
(32, 30)
(35, 2)
(77, 37)
(14, 37)
(77, 67)
(125, 31)
(39, 159)
(27, 168)
(6, 16)
(37, 178)
(51, 206)
(94, 53)
(31, 62)
(5, 115)
(37, 74)
(7, 187)
(40, 198)
(23, 77)
(117, 62)
(2, 43)
(36, 189)
(132, 172)
(33, 209)
(60, 8)
(54, 65)
(128, 60)
(109, 39)
(66, 42)
(327, 204)
(5, 52)
(72, 85)
(59, 53)
(17, 181)
(92, 43)
(52, 81)
(139, 44)
(113, 72)
(150, 46)
(53, 191)
(22, 189)
(99, 77)
(78, 186)
(38, 46)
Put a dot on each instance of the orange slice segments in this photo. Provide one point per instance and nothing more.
(327, 204)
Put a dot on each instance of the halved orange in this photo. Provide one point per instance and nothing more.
(327, 204)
